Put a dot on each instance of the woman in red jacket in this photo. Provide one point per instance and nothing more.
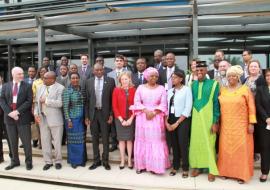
(123, 98)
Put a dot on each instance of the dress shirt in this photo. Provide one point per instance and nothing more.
(169, 71)
(99, 91)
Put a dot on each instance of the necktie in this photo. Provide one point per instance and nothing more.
(15, 89)
(141, 78)
(98, 93)
(169, 78)
(14, 94)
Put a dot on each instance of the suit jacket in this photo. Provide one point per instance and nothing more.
(136, 80)
(163, 75)
(64, 81)
(211, 74)
(90, 95)
(113, 75)
(26, 80)
(53, 104)
(87, 73)
(106, 70)
(24, 103)
(262, 100)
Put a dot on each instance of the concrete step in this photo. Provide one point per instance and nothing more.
(121, 179)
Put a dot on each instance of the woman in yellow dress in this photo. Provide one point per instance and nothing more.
(235, 159)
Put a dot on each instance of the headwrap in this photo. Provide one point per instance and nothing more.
(150, 71)
(236, 69)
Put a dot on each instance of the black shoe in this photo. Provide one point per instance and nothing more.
(11, 166)
(106, 166)
(58, 166)
(29, 166)
(47, 166)
(95, 165)
(73, 166)
(35, 143)
(121, 167)
(113, 148)
(21, 146)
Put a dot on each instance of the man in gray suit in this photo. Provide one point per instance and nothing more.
(16, 101)
(98, 113)
(85, 69)
(119, 67)
(48, 113)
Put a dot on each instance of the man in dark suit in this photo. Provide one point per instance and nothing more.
(32, 72)
(247, 58)
(85, 69)
(137, 78)
(100, 60)
(158, 59)
(165, 74)
(16, 101)
(219, 56)
(98, 113)
(46, 63)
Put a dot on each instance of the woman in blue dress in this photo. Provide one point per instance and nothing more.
(74, 113)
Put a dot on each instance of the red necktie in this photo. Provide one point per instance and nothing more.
(14, 93)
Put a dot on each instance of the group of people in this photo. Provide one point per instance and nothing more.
(208, 120)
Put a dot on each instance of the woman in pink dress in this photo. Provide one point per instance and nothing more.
(150, 106)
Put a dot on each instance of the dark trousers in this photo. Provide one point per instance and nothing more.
(113, 134)
(24, 132)
(264, 142)
(2, 132)
(180, 142)
(100, 124)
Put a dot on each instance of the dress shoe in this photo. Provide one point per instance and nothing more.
(95, 165)
(113, 148)
(29, 166)
(11, 166)
(211, 177)
(35, 143)
(106, 166)
(173, 173)
(47, 166)
(58, 166)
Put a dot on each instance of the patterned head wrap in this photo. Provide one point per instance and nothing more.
(150, 71)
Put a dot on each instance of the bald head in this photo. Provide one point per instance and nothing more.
(158, 56)
(49, 78)
(17, 74)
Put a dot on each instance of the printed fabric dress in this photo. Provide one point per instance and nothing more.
(150, 147)
(205, 113)
(235, 157)
(74, 110)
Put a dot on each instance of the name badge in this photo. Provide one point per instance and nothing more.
(172, 109)
(14, 100)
